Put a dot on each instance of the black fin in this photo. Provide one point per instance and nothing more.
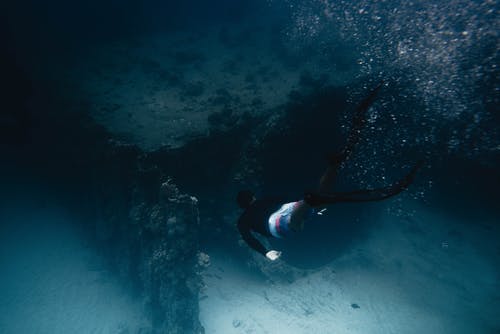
(315, 199)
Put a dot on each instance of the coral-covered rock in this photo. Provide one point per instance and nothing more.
(154, 248)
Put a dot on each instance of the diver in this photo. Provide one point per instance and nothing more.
(273, 218)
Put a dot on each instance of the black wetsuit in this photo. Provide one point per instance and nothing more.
(256, 219)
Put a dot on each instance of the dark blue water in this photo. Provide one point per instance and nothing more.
(105, 105)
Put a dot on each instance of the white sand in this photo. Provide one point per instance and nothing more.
(407, 277)
(52, 283)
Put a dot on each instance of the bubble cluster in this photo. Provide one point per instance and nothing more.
(440, 58)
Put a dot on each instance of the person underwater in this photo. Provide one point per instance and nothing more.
(273, 218)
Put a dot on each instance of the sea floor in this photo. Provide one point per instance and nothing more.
(429, 274)
(52, 283)
(433, 273)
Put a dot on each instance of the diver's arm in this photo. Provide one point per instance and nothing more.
(257, 246)
(252, 241)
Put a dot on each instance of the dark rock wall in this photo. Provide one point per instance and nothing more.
(149, 230)
(143, 225)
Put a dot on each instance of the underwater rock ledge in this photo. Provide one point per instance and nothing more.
(148, 230)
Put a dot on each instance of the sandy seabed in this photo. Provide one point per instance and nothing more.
(52, 283)
(432, 274)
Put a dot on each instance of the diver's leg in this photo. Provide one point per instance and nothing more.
(299, 214)
(368, 195)
(328, 178)
(336, 160)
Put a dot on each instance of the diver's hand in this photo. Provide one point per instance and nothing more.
(273, 255)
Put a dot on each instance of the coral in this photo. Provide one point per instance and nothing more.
(203, 260)
(156, 220)
(169, 191)
(154, 231)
